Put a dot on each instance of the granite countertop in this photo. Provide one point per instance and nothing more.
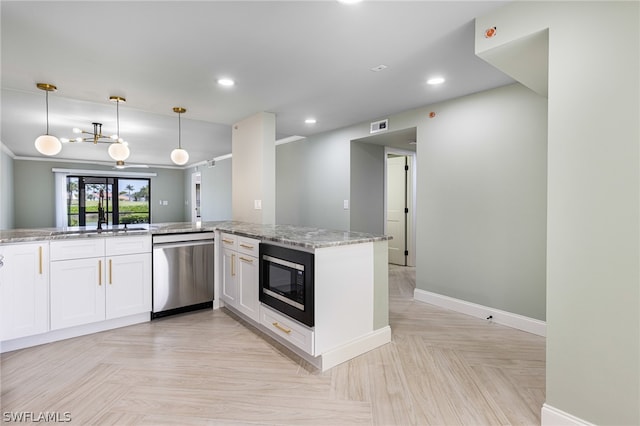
(299, 235)
(310, 238)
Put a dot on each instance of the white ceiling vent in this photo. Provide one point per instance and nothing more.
(379, 126)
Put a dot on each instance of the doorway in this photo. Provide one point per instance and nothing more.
(196, 183)
(399, 206)
(369, 175)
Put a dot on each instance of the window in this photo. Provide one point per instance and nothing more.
(112, 200)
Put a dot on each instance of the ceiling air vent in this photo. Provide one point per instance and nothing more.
(379, 126)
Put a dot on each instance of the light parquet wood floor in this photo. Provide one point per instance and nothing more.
(208, 368)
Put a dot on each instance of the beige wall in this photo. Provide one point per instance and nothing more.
(253, 168)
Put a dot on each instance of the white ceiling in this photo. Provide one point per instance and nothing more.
(296, 59)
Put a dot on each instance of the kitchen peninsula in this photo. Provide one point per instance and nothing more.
(350, 296)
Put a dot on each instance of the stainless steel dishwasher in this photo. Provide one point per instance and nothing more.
(182, 273)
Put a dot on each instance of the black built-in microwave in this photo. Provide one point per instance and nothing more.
(286, 281)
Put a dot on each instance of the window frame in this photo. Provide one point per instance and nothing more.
(60, 182)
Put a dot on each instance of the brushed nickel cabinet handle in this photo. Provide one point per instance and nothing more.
(40, 259)
(244, 259)
(99, 272)
(281, 328)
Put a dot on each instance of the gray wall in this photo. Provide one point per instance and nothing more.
(367, 187)
(34, 200)
(593, 250)
(481, 186)
(292, 207)
(481, 193)
(312, 179)
(215, 195)
(6, 190)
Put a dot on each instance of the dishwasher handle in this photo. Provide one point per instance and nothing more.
(182, 244)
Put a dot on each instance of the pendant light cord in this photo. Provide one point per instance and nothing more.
(47, 104)
(118, 119)
(179, 132)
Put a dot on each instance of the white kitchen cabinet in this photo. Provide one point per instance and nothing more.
(229, 277)
(287, 329)
(24, 290)
(97, 279)
(248, 286)
(128, 288)
(240, 274)
(77, 292)
(128, 271)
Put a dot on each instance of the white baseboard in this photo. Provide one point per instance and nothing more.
(551, 416)
(530, 325)
(356, 347)
(68, 333)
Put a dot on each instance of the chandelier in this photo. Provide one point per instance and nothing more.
(118, 148)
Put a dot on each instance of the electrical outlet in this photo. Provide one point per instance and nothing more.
(346, 204)
(257, 204)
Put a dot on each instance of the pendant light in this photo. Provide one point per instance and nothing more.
(118, 150)
(47, 144)
(179, 156)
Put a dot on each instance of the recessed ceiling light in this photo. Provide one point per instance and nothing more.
(226, 82)
(435, 80)
(310, 121)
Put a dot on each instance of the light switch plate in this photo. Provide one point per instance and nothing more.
(346, 204)
(257, 204)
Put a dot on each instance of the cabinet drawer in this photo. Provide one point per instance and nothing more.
(128, 245)
(288, 329)
(248, 246)
(229, 241)
(76, 249)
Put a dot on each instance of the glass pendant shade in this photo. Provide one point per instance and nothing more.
(48, 145)
(179, 156)
(119, 151)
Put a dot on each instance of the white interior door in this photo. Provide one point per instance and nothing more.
(396, 205)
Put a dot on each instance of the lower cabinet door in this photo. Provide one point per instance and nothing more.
(77, 292)
(24, 290)
(248, 302)
(229, 277)
(128, 285)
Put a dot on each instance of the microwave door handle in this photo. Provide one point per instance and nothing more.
(283, 262)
